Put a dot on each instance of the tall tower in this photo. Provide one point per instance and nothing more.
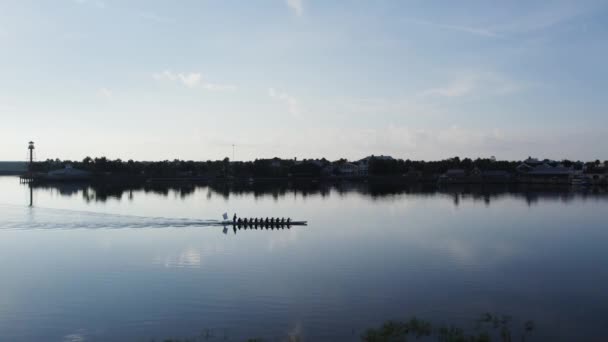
(31, 148)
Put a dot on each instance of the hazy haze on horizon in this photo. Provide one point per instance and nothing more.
(153, 80)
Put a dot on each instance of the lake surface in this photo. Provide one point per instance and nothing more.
(134, 264)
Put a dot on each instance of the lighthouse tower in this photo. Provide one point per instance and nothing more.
(29, 175)
(31, 148)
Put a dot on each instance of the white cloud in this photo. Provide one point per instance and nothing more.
(475, 83)
(105, 93)
(292, 102)
(165, 75)
(219, 87)
(191, 80)
(296, 5)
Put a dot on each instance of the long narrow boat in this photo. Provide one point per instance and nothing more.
(292, 223)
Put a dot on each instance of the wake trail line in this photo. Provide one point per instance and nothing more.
(24, 218)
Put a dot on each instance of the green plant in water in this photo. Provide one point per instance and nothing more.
(398, 331)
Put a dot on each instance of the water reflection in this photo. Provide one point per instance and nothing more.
(372, 252)
(105, 192)
(531, 194)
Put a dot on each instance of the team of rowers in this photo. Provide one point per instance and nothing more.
(272, 220)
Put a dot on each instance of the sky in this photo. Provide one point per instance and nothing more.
(159, 79)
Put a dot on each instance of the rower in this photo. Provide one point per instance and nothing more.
(266, 220)
(239, 220)
(234, 218)
(288, 220)
(245, 221)
(282, 220)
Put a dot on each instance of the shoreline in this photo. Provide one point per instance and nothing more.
(378, 180)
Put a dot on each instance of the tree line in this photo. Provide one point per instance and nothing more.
(279, 168)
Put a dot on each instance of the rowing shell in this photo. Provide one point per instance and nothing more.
(292, 223)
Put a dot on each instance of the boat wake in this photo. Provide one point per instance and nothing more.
(20, 218)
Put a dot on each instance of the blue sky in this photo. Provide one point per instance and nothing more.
(160, 79)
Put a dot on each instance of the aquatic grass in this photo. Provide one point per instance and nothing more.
(205, 335)
(487, 326)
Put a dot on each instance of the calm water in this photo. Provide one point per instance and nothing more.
(88, 264)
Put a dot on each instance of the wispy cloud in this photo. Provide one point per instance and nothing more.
(475, 83)
(96, 3)
(105, 93)
(155, 18)
(545, 17)
(549, 16)
(479, 31)
(191, 80)
(296, 6)
(456, 88)
(291, 101)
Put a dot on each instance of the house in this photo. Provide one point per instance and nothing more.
(545, 173)
(364, 163)
(348, 169)
(597, 175)
(68, 173)
(455, 173)
(524, 168)
(495, 176)
(363, 167)
(380, 157)
(453, 176)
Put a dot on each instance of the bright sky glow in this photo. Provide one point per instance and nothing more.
(157, 79)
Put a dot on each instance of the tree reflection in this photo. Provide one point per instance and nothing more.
(531, 194)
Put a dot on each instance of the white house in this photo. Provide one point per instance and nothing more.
(363, 168)
(363, 164)
(68, 173)
(348, 169)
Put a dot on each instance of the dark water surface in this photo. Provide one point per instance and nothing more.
(112, 263)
